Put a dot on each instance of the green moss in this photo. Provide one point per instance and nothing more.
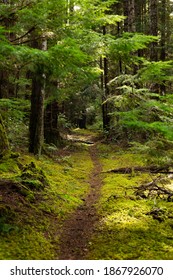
(125, 229)
(68, 183)
(33, 177)
(33, 232)
(26, 244)
(85, 132)
(8, 165)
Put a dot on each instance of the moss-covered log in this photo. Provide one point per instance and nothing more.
(151, 169)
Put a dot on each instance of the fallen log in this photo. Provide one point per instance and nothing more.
(152, 189)
(150, 169)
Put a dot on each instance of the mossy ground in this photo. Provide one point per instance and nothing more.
(125, 230)
(30, 224)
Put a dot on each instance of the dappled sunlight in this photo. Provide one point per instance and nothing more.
(122, 219)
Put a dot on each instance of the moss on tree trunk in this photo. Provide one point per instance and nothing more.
(4, 144)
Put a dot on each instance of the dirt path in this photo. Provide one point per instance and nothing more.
(79, 227)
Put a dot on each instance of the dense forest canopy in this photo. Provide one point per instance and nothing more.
(106, 64)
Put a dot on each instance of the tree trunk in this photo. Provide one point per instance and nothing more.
(4, 144)
(163, 37)
(105, 88)
(163, 30)
(51, 132)
(36, 127)
(125, 8)
(37, 116)
(131, 16)
(105, 109)
(82, 120)
(129, 13)
(154, 28)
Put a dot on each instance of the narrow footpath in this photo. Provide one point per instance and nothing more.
(80, 226)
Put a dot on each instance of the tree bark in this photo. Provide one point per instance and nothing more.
(51, 132)
(131, 16)
(129, 13)
(125, 8)
(4, 144)
(154, 28)
(105, 88)
(37, 116)
(36, 127)
(163, 38)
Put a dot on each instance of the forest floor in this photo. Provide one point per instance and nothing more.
(84, 211)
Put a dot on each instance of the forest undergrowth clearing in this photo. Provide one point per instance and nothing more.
(127, 227)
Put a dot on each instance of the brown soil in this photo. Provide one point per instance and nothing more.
(79, 227)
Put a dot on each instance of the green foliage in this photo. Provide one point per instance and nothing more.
(8, 165)
(139, 112)
(156, 72)
(93, 14)
(14, 109)
(128, 43)
(6, 49)
(66, 56)
(15, 113)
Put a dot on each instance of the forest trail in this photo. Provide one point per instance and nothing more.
(79, 227)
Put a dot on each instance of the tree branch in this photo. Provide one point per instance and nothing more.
(30, 40)
(28, 32)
